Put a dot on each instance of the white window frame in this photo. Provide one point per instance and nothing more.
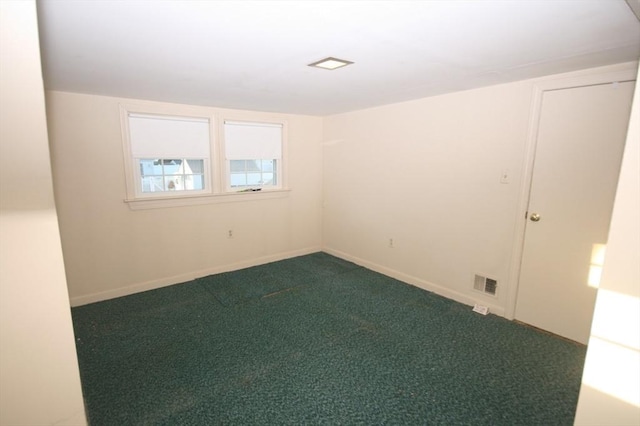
(281, 173)
(216, 169)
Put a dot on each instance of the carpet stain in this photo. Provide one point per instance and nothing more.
(276, 293)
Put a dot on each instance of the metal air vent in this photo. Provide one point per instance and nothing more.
(485, 285)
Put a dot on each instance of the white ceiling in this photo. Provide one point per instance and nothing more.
(254, 54)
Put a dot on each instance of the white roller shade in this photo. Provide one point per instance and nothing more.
(168, 137)
(247, 141)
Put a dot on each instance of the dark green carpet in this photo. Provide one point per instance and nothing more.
(316, 340)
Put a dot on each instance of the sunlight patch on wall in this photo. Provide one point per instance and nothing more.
(615, 347)
(620, 363)
(597, 260)
(617, 319)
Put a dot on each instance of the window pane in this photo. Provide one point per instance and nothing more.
(146, 184)
(173, 167)
(237, 165)
(268, 165)
(268, 178)
(194, 182)
(150, 167)
(172, 183)
(152, 184)
(238, 179)
(254, 178)
(253, 165)
(194, 166)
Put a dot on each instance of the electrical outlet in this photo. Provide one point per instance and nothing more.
(390, 242)
(230, 233)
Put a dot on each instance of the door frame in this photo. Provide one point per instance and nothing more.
(610, 74)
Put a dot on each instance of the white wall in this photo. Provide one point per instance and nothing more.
(39, 384)
(426, 174)
(111, 250)
(610, 392)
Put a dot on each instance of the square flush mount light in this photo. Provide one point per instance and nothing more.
(330, 63)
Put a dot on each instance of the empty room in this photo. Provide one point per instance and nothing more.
(319, 212)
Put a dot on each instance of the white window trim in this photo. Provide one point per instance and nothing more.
(194, 200)
(281, 164)
(219, 190)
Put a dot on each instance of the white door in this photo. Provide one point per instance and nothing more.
(579, 148)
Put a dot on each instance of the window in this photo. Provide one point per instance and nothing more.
(171, 154)
(253, 153)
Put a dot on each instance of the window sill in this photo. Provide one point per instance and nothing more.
(194, 200)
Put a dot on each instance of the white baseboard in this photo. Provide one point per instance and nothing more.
(420, 283)
(181, 278)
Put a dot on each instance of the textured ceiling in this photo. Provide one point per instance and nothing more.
(254, 55)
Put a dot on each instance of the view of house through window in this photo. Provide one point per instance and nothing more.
(160, 175)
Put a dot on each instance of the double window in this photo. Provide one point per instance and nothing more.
(179, 156)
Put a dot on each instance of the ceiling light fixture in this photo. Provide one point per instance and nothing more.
(330, 63)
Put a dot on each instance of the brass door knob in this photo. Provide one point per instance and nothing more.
(535, 217)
